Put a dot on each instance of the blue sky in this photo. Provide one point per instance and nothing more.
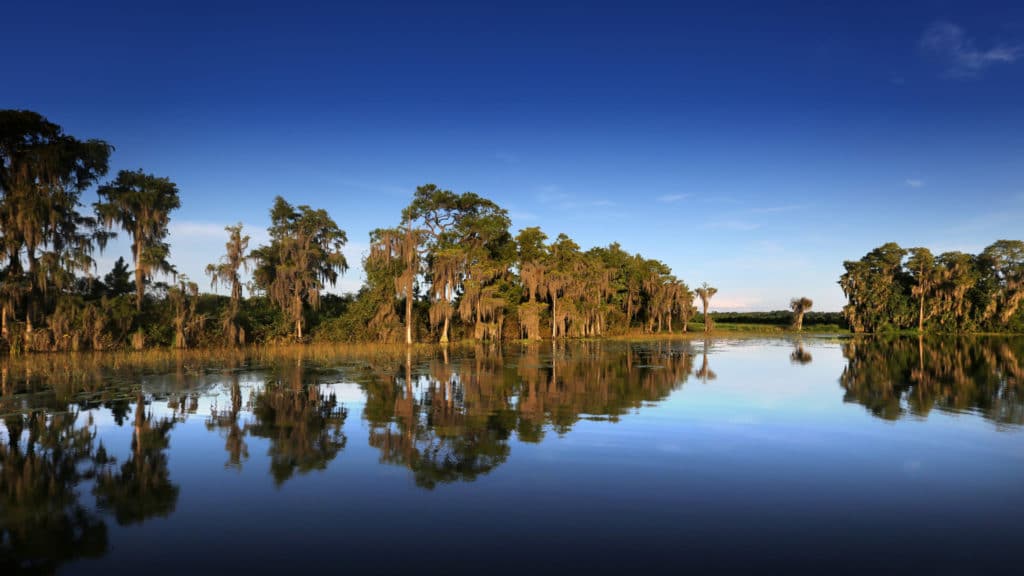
(752, 145)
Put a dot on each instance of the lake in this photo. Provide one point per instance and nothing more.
(821, 455)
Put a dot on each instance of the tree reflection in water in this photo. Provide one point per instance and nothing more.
(141, 488)
(452, 421)
(303, 424)
(895, 376)
(800, 355)
(43, 524)
(446, 415)
(228, 421)
(705, 373)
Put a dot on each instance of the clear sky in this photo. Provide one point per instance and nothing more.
(752, 145)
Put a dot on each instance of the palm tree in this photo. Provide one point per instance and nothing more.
(800, 355)
(799, 306)
(705, 372)
(141, 203)
(706, 293)
(226, 272)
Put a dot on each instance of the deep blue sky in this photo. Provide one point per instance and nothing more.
(752, 145)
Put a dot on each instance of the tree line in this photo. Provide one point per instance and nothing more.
(893, 288)
(450, 268)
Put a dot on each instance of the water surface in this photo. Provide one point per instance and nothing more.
(822, 455)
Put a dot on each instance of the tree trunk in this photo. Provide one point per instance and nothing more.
(444, 331)
(297, 314)
(920, 313)
(3, 321)
(139, 287)
(554, 326)
(707, 324)
(140, 421)
(408, 310)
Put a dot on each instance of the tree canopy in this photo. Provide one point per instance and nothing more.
(893, 288)
(304, 255)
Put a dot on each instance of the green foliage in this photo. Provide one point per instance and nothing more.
(44, 239)
(303, 256)
(781, 318)
(119, 280)
(450, 270)
(892, 289)
(141, 204)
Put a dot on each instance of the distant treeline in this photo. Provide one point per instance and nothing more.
(450, 268)
(779, 318)
(892, 288)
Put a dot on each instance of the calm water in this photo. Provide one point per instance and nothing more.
(826, 456)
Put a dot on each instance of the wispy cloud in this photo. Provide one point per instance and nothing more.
(736, 303)
(914, 182)
(550, 193)
(553, 196)
(736, 225)
(727, 200)
(963, 58)
(673, 198)
(194, 229)
(206, 233)
(777, 209)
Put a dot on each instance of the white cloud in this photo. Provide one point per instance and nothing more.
(737, 225)
(735, 303)
(211, 236)
(191, 229)
(550, 193)
(964, 58)
(195, 244)
(776, 209)
(672, 198)
(553, 196)
(914, 182)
